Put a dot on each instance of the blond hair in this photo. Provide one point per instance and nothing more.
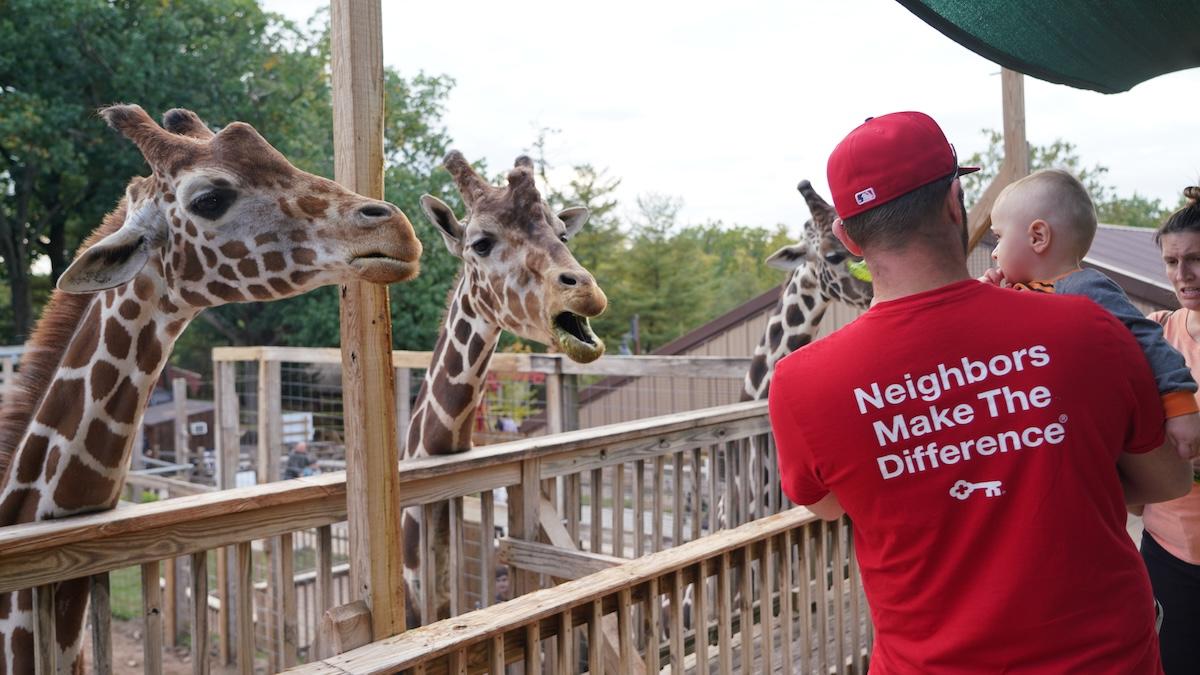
(1063, 202)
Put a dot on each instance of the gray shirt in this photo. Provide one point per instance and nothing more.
(1171, 373)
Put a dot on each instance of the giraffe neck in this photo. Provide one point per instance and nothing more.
(793, 324)
(74, 453)
(444, 413)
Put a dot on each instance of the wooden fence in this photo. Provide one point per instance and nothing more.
(780, 594)
(10, 358)
(595, 497)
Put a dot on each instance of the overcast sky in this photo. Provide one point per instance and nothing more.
(728, 105)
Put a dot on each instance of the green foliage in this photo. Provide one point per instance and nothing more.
(61, 169)
(1111, 208)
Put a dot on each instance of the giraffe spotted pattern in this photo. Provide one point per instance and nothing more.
(223, 218)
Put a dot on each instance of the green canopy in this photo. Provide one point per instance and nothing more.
(1104, 45)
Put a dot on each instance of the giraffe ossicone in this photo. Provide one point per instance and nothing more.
(223, 217)
(517, 275)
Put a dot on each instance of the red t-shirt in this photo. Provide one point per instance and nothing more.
(971, 434)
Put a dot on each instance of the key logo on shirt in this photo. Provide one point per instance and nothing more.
(963, 489)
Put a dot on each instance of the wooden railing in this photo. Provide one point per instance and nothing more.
(10, 356)
(781, 592)
(598, 496)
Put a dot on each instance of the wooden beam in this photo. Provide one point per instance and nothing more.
(376, 568)
(557, 562)
(346, 627)
(1016, 156)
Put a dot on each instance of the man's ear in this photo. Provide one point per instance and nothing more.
(442, 217)
(117, 258)
(788, 258)
(839, 231)
(1040, 235)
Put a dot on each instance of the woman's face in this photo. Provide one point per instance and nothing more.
(1181, 255)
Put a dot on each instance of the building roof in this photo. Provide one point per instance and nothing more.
(1132, 258)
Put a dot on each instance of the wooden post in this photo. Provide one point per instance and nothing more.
(270, 433)
(570, 402)
(1016, 155)
(270, 420)
(179, 398)
(554, 402)
(228, 459)
(403, 404)
(372, 481)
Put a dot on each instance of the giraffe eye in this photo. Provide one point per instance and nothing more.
(562, 238)
(483, 246)
(212, 204)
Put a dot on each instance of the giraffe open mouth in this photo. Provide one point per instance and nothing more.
(576, 339)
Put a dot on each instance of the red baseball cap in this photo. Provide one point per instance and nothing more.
(887, 157)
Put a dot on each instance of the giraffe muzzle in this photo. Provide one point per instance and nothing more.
(380, 268)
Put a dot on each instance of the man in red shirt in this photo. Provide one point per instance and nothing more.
(979, 439)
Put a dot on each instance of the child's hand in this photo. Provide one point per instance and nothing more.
(993, 276)
(1184, 432)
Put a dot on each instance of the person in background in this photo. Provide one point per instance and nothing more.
(299, 462)
(1171, 534)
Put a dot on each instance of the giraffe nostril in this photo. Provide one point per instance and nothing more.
(568, 279)
(375, 211)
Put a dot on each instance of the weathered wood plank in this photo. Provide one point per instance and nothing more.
(45, 660)
(100, 612)
(556, 562)
(243, 579)
(199, 566)
(376, 565)
(346, 627)
(152, 624)
(323, 584)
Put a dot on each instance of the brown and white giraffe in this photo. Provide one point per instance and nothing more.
(819, 275)
(223, 218)
(517, 275)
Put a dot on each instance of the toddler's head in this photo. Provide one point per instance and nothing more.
(1045, 223)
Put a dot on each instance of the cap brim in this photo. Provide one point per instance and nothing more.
(964, 170)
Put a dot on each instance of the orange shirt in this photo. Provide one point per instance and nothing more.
(1176, 524)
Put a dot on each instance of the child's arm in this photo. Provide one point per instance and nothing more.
(1171, 372)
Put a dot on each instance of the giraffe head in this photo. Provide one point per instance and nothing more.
(225, 217)
(821, 250)
(518, 270)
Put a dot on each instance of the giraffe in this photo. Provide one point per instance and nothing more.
(222, 218)
(819, 274)
(517, 275)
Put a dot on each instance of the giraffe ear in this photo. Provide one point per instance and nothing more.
(788, 258)
(574, 218)
(115, 259)
(442, 217)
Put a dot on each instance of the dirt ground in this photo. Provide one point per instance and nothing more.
(128, 657)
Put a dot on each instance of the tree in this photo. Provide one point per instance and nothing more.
(60, 168)
(1111, 208)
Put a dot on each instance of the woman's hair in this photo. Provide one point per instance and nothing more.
(1186, 219)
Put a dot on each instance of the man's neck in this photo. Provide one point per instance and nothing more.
(899, 274)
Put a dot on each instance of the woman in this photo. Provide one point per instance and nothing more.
(1171, 540)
